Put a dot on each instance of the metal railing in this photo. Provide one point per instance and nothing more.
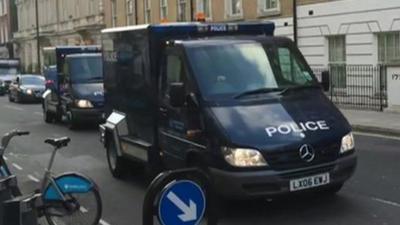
(357, 86)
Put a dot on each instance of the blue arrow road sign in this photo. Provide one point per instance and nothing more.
(182, 203)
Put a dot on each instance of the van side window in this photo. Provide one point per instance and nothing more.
(134, 79)
(174, 72)
(138, 65)
(290, 68)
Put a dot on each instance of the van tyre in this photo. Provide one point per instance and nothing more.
(118, 166)
(17, 99)
(71, 121)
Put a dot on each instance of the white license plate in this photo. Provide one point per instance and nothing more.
(309, 182)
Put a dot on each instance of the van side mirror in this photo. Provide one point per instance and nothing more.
(325, 80)
(177, 94)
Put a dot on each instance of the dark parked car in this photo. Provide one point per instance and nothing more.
(27, 88)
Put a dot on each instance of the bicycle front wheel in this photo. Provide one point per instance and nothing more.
(77, 209)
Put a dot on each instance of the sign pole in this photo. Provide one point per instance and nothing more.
(37, 38)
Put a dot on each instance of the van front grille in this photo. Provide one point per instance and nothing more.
(290, 159)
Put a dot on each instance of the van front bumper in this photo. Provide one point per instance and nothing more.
(88, 115)
(245, 185)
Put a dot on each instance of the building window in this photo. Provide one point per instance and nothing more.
(204, 6)
(389, 48)
(234, 8)
(147, 11)
(269, 7)
(91, 7)
(2, 7)
(337, 60)
(163, 9)
(1, 35)
(129, 12)
(181, 10)
(113, 13)
(6, 34)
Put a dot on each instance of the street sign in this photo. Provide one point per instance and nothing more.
(182, 203)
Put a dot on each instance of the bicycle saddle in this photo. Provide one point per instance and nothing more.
(58, 142)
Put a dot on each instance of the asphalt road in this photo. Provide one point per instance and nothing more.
(372, 196)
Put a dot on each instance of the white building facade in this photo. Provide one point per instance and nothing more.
(61, 22)
(351, 31)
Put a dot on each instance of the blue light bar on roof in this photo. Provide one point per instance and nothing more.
(215, 29)
(10, 62)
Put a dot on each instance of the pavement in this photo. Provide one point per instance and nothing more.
(370, 197)
(384, 123)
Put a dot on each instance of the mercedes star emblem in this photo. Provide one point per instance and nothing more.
(307, 153)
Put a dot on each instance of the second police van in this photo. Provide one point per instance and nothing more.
(231, 99)
(74, 83)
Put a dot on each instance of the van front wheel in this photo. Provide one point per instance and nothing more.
(118, 166)
(71, 121)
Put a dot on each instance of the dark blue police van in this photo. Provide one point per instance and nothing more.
(231, 99)
(74, 82)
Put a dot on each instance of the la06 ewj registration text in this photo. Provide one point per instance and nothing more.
(309, 182)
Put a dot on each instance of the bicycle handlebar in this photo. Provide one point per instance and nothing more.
(8, 136)
(22, 133)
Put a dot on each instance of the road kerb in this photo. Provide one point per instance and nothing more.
(376, 130)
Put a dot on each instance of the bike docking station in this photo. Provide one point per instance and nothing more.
(16, 209)
(180, 197)
(6, 186)
(22, 210)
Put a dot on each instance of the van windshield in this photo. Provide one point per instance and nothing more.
(32, 80)
(8, 71)
(86, 69)
(228, 70)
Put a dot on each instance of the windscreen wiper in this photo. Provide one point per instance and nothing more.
(299, 87)
(257, 91)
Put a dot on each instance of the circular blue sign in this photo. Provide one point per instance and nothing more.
(182, 203)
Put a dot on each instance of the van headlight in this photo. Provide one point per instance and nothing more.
(347, 143)
(241, 157)
(83, 104)
(29, 91)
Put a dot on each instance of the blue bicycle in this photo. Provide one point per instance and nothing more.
(69, 198)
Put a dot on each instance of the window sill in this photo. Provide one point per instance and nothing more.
(271, 12)
(234, 17)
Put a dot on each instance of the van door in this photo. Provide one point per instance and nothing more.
(173, 120)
